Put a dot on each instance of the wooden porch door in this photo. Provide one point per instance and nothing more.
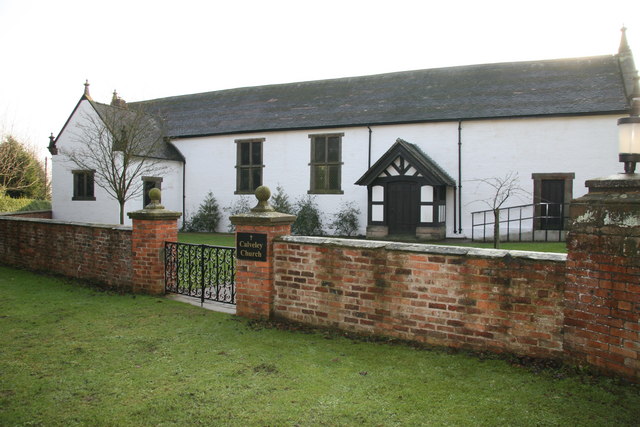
(403, 203)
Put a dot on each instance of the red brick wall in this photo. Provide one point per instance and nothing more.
(101, 254)
(603, 306)
(147, 247)
(483, 300)
(602, 313)
(254, 279)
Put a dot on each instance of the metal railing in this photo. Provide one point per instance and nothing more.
(201, 271)
(534, 222)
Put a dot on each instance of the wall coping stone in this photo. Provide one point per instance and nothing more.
(154, 210)
(24, 212)
(60, 222)
(262, 218)
(425, 248)
(263, 213)
(621, 182)
(153, 214)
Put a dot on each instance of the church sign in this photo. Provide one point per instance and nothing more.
(251, 246)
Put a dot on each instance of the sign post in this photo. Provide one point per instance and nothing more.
(251, 246)
(255, 232)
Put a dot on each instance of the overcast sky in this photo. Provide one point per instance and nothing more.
(149, 49)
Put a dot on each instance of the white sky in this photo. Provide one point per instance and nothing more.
(148, 49)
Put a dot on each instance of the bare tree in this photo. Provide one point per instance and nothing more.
(502, 189)
(121, 145)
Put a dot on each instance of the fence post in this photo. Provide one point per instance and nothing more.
(255, 232)
(602, 290)
(152, 226)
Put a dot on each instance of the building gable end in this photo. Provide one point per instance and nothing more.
(53, 149)
(406, 159)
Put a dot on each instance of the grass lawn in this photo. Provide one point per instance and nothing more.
(228, 239)
(557, 247)
(214, 239)
(72, 355)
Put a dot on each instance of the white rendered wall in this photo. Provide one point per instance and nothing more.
(211, 165)
(585, 146)
(105, 209)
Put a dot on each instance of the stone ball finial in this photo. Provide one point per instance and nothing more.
(263, 194)
(155, 195)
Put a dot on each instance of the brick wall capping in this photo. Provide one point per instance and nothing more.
(59, 222)
(610, 198)
(151, 214)
(19, 213)
(262, 218)
(622, 182)
(611, 201)
(425, 248)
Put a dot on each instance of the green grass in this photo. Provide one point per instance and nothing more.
(226, 239)
(72, 355)
(214, 239)
(557, 247)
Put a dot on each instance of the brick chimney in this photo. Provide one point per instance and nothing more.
(116, 101)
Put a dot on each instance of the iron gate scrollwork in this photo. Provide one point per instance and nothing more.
(201, 271)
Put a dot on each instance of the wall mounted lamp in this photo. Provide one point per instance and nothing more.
(629, 138)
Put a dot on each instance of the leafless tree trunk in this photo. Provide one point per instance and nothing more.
(503, 188)
(121, 146)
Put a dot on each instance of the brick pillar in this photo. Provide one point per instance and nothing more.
(152, 227)
(602, 293)
(255, 232)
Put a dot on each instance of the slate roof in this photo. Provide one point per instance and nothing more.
(153, 132)
(535, 88)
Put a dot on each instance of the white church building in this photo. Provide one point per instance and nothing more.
(414, 150)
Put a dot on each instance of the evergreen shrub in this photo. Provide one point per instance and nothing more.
(309, 218)
(280, 201)
(240, 206)
(207, 217)
(346, 222)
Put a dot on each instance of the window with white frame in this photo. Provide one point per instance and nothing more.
(432, 204)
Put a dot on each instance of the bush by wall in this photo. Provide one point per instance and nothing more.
(9, 204)
(240, 206)
(309, 220)
(280, 201)
(207, 217)
(346, 222)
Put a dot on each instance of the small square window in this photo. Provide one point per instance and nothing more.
(148, 183)
(83, 185)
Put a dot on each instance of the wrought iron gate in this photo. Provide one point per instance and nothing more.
(201, 271)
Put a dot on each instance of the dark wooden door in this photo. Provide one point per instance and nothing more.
(552, 208)
(403, 207)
